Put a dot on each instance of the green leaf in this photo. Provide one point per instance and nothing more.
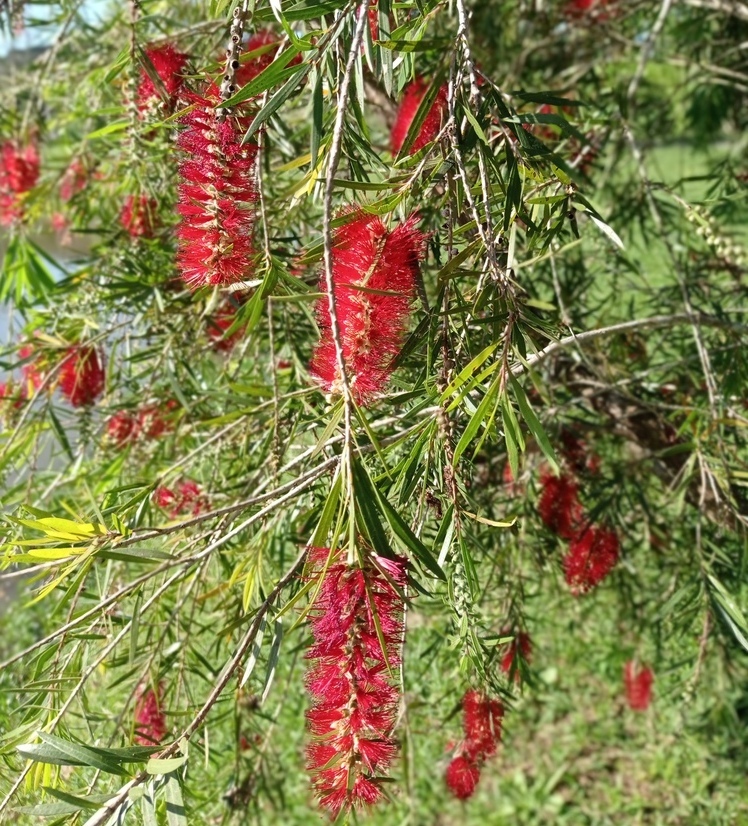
(157, 765)
(367, 491)
(175, 814)
(482, 416)
(533, 423)
(277, 100)
(273, 657)
(275, 73)
(729, 610)
(61, 752)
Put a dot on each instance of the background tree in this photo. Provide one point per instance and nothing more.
(380, 375)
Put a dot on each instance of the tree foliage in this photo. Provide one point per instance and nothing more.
(431, 286)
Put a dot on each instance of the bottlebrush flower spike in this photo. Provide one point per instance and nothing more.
(368, 258)
(592, 555)
(412, 98)
(521, 645)
(462, 777)
(638, 683)
(187, 499)
(169, 64)
(216, 195)
(150, 720)
(357, 625)
(139, 216)
(19, 173)
(122, 428)
(82, 376)
(481, 720)
(559, 506)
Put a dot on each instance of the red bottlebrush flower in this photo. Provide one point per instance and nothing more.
(150, 720)
(521, 645)
(592, 555)
(186, 499)
(462, 777)
(592, 10)
(19, 172)
(163, 497)
(31, 371)
(481, 721)
(249, 69)
(191, 498)
(74, 180)
(169, 64)
(153, 421)
(220, 323)
(139, 216)
(638, 683)
(216, 196)
(122, 428)
(19, 167)
(559, 506)
(412, 98)
(82, 376)
(374, 282)
(357, 625)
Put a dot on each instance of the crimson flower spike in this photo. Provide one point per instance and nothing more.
(406, 113)
(357, 625)
(82, 376)
(374, 275)
(637, 680)
(216, 195)
(592, 555)
(150, 720)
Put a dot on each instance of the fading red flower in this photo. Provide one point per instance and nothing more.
(59, 222)
(150, 720)
(218, 325)
(249, 69)
(169, 64)
(412, 97)
(153, 419)
(374, 283)
(357, 625)
(519, 648)
(19, 173)
(74, 180)
(139, 216)
(82, 376)
(462, 777)
(638, 680)
(592, 555)
(216, 195)
(122, 428)
(163, 497)
(188, 498)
